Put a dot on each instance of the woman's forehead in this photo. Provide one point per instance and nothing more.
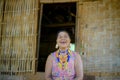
(62, 33)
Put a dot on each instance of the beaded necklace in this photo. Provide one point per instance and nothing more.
(63, 59)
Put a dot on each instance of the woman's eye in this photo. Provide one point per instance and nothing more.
(59, 37)
(65, 36)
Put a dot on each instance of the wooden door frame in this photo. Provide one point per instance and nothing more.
(41, 3)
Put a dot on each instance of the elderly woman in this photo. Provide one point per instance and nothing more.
(64, 64)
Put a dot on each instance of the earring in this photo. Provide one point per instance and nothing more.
(56, 46)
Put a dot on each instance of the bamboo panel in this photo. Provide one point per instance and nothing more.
(19, 36)
(1, 9)
(1, 18)
(98, 59)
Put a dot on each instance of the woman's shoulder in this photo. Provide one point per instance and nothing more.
(53, 53)
(51, 56)
(75, 53)
(77, 56)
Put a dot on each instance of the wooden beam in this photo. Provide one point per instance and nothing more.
(60, 25)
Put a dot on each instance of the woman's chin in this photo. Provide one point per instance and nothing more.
(63, 47)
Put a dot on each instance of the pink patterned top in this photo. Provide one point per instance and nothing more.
(66, 74)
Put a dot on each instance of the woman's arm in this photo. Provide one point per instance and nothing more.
(78, 67)
(48, 68)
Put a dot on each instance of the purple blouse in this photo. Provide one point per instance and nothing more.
(65, 74)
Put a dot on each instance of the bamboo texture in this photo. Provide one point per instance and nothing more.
(1, 17)
(18, 36)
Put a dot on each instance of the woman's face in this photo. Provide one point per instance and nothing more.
(63, 40)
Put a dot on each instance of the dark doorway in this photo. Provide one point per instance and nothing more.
(55, 17)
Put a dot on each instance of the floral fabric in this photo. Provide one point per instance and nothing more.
(63, 74)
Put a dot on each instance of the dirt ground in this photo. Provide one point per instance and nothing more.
(37, 76)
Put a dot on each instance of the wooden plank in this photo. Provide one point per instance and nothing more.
(57, 1)
(36, 5)
(61, 25)
(39, 34)
(63, 1)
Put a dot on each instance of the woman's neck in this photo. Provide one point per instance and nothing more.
(63, 51)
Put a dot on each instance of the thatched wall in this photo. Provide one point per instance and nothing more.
(99, 34)
(18, 29)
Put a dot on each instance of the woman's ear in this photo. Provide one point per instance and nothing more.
(56, 46)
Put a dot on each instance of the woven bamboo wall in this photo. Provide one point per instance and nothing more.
(99, 35)
(1, 18)
(19, 33)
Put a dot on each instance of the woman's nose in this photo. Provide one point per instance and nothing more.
(63, 38)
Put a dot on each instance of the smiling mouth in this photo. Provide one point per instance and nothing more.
(63, 42)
